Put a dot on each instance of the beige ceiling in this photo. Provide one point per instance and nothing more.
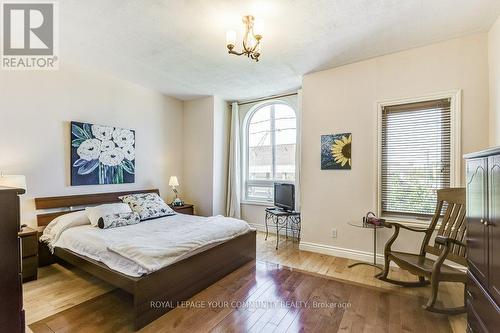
(177, 46)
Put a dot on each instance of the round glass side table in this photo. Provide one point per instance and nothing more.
(361, 224)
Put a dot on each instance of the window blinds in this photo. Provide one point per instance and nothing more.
(416, 156)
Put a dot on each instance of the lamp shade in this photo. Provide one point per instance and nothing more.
(258, 26)
(231, 38)
(173, 181)
(14, 181)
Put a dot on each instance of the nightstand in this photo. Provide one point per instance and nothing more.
(184, 209)
(29, 253)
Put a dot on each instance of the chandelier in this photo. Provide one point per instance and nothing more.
(251, 39)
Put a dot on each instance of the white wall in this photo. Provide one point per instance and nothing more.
(198, 149)
(494, 63)
(36, 108)
(343, 100)
(205, 146)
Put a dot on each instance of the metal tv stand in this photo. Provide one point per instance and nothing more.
(282, 219)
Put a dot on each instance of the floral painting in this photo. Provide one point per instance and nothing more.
(336, 151)
(101, 154)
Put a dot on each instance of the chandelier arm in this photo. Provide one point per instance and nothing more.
(256, 45)
(245, 46)
(236, 53)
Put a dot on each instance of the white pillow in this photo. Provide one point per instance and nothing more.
(95, 213)
(54, 229)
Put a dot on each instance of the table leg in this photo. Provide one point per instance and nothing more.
(267, 217)
(300, 226)
(374, 264)
(364, 263)
(277, 231)
(286, 227)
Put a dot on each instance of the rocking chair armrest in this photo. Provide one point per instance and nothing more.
(399, 225)
(447, 240)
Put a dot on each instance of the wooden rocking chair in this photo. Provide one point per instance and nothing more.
(448, 245)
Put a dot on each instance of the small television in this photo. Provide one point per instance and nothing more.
(284, 196)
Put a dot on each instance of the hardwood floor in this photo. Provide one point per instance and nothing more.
(288, 254)
(74, 294)
(262, 297)
(58, 289)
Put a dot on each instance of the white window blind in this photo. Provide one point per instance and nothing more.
(416, 156)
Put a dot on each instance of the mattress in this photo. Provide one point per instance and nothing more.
(143, 248)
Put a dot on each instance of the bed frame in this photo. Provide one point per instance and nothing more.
(169, 285)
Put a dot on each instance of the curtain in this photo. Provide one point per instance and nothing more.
(233, 201)
(297, 150)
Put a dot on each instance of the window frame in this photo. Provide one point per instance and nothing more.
(245, 153)
(455, 158)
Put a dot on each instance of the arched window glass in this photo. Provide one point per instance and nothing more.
(271, 132)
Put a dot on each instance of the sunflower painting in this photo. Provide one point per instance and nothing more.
(336, 151)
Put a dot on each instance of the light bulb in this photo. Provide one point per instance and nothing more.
(231, 38)
(258, 27)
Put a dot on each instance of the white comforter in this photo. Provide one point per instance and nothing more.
(148, 246)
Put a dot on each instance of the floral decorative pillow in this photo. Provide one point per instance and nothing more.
(147, 205)
(94, 213)
(118, 220)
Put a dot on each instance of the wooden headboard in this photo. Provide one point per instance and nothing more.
(70, 201)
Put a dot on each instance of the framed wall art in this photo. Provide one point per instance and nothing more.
(336, 151)
(101, 154)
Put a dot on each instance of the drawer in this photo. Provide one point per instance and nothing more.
(483, 314)
(474, 323)
(30, 268)
(29, 246)
(186, 210)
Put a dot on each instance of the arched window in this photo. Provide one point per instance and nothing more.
(270, 143)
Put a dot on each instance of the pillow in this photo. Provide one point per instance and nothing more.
(118, 220)
(95, 213)
(54, 229)
(148, 205)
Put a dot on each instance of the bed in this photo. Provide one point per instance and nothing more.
(169, 285)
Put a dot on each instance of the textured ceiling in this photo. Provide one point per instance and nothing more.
(177, 46)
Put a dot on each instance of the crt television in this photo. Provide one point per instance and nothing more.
(284, 196)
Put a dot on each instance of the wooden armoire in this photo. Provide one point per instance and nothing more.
(483, 241)
(11, 290)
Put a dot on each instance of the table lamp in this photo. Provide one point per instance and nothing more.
(175, 182)
(14, 181)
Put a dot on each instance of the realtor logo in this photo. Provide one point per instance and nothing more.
(30, 36)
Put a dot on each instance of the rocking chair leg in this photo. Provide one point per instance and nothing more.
(383, 275)
(434, 293)
(430, 306)
(404, 283)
